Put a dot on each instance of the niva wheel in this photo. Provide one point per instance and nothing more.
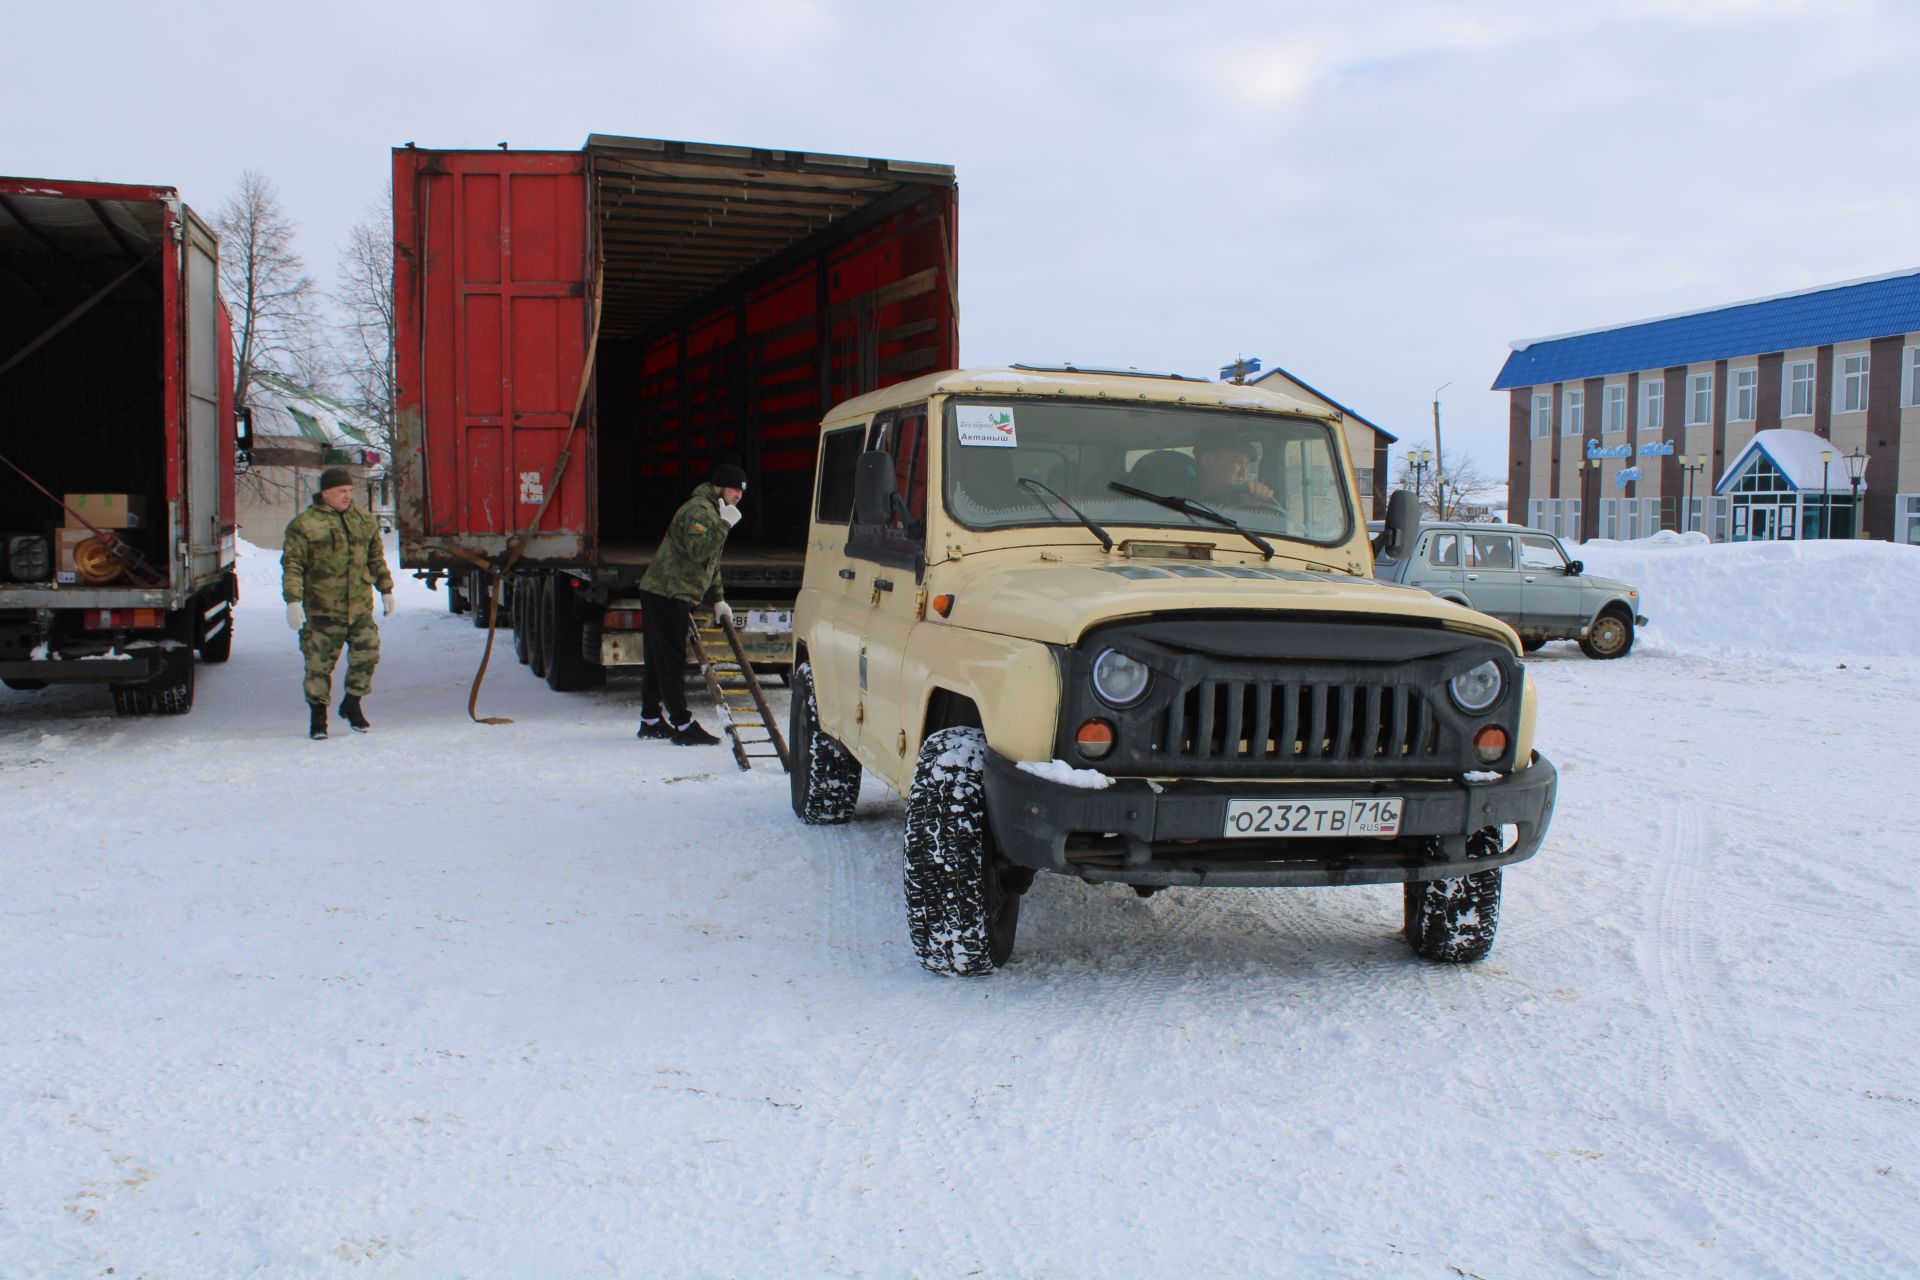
(963, 909)
(1610, 636)
(825, 778)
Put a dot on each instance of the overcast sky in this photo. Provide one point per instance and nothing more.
(1376, 197)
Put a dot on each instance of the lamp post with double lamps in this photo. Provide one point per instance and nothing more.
(1856, 472)
(1419, 459)
(1591, 508)
(1690, 465)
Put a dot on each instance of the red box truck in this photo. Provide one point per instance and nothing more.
(117, 442)
(583, 335)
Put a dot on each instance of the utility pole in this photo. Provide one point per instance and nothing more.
(1439, 459)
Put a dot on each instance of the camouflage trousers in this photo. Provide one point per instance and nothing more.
(320, 643)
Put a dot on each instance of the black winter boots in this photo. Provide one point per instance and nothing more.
(351, 713)
(691, 734)
(316, 721)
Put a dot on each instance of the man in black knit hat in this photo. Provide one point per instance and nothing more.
(685, 574)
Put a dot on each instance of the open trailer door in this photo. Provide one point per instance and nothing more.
(493, 316)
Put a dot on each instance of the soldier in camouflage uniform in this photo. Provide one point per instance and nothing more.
(330, 564)
(685, 573)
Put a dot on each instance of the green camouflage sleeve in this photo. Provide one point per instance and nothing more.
(377, 562)
(293, 565)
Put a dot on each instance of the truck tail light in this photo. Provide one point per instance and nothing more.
(125, 619)
(1094, 738)
(622, 620)
(1490, 743)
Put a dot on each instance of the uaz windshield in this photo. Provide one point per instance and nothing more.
(1019, 463)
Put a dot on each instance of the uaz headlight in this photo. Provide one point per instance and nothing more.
(1476, 690)
(1119, 680)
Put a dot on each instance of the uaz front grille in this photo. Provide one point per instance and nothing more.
(1288, 698)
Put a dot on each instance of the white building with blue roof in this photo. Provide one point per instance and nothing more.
(1793, 416)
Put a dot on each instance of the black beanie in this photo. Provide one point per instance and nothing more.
(334, 477)
(728, 476)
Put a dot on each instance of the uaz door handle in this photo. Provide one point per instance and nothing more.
(882, 584)
(847, 574)
(1526, 577)
(1473, 577)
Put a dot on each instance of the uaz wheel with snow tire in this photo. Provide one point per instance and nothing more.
(962, 910)
(825, 778)
(518, 616)
(1453, 921)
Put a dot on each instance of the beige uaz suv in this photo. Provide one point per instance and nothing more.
(1122, 627)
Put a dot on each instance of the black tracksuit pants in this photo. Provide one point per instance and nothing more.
(663, 682)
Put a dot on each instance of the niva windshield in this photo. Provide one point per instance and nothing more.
(1019, 463)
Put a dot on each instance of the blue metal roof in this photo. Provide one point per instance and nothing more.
(1875, 308)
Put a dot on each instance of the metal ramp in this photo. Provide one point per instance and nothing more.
(736, 691)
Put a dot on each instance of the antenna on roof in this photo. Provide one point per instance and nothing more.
(1237, 371)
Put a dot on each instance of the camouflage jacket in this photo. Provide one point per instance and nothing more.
(687, 566)
(331, 560)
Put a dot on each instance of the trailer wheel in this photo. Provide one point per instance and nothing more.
(131, 700)
(565, 631)
(456, 603)
(824, 781)
(172, 691)
(478, 593)
(534, 615)
(521, 649)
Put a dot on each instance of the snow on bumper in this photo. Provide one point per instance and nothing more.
(1169, 833)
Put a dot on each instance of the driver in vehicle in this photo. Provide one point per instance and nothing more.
(1226, 471)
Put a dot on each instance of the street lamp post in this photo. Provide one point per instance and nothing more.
(1826, 501)
(1419, 458)
(1856, 472)
(1690, 465)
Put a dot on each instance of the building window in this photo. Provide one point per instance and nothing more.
(1850, 396)
(1906, 527)
(1610, 519)
(1573, 412)
(1542, 415)
(1700, 403)
(1615, 419)
(1575, 529)
(1649, 517)
(1721, 506)
(1536, 513)
(1798, 393)
(1740, 394)
(1653, 404)
(1912, 380)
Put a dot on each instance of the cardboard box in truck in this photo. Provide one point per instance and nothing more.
(106, 510)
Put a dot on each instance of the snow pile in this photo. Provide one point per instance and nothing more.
(1059, 771)
(1839, 600)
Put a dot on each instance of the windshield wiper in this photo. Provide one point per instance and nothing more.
(1106, 539)
(1190, 507)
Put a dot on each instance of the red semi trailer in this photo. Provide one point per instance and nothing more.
(583, 335)
(117, 442)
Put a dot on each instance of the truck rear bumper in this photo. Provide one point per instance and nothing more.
(1169, 833)
(128, 669)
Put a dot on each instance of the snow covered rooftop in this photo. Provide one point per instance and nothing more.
(1796, 455)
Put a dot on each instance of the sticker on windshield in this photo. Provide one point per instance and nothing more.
(985, 424)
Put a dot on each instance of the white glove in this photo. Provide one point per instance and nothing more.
(730, 513)
(723, 612)
(296, 614)
(386, 604)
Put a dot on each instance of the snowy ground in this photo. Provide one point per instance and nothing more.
(543, 1000)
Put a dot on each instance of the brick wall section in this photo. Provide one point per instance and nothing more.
(1766, 410)
(1553, 465)
(1673, 426)
(1883, 435)
(1720, 458)
(1594, 388)
(1519, 453)
(1823, 392)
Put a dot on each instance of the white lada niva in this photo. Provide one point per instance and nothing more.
(1123, 627)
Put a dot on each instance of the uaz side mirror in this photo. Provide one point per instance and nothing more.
(1403, 524)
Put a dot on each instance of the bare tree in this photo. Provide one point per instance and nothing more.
(365, 299)
(270, 295)
(1460, 493)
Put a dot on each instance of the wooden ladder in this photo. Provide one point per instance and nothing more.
(737, 692)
